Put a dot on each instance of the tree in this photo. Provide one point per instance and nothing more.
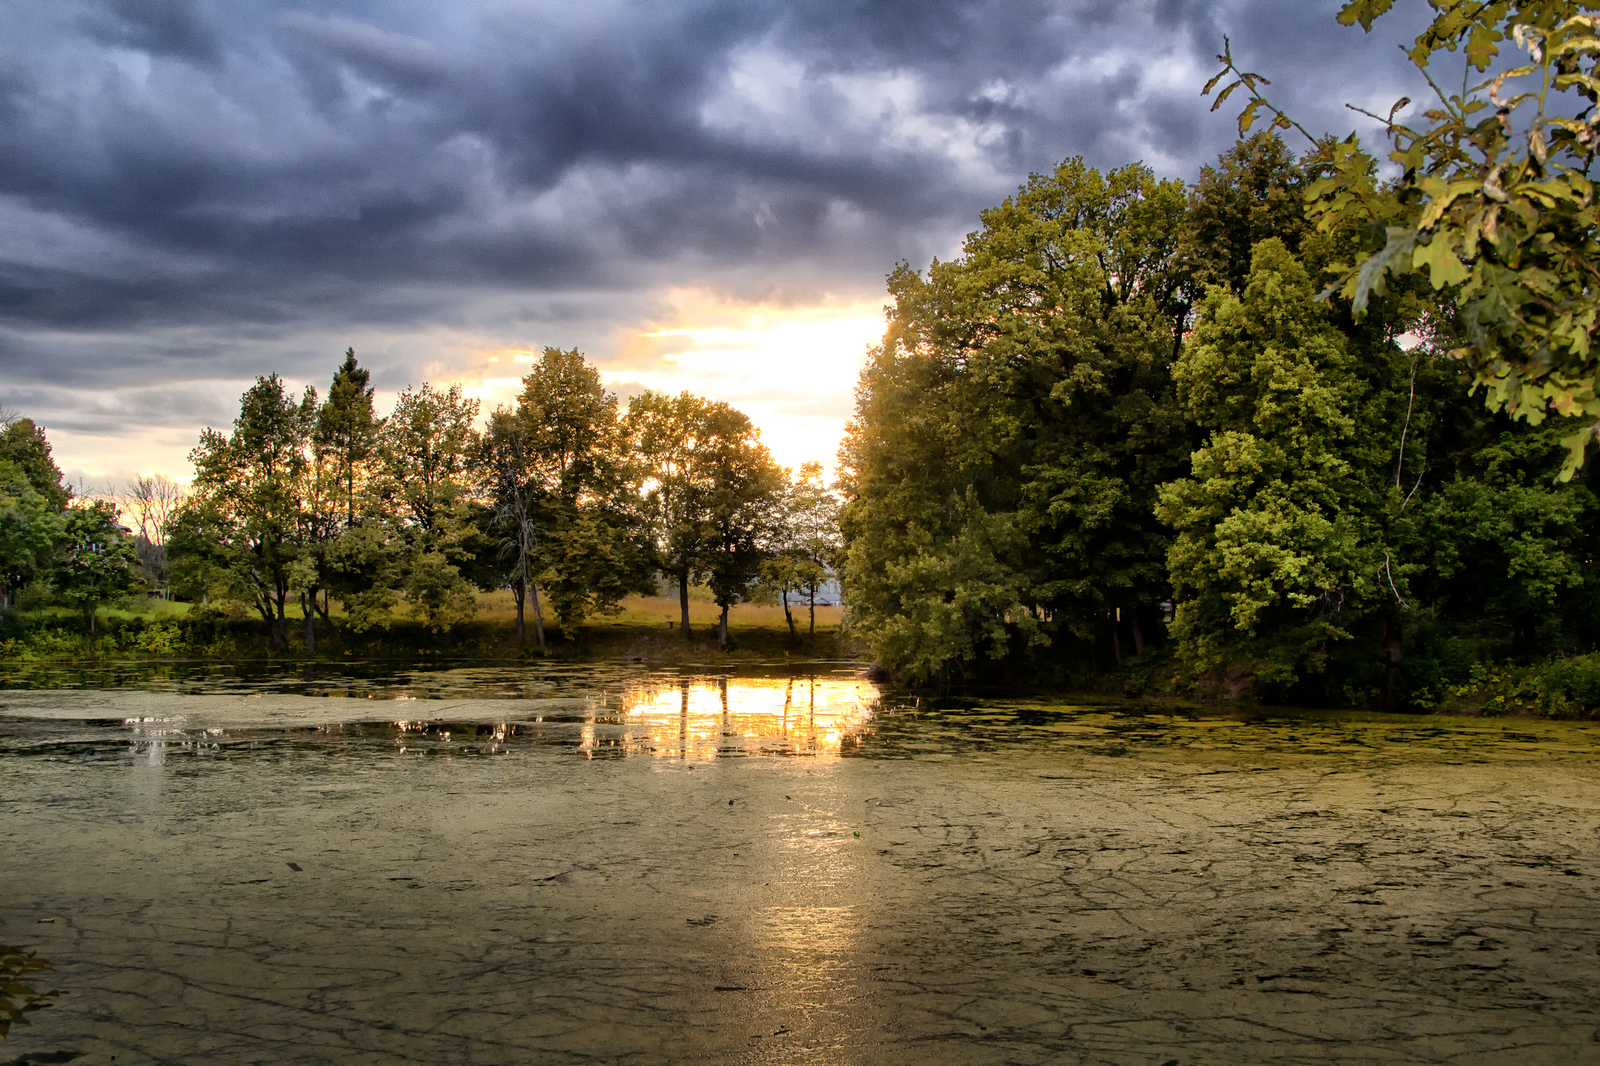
(242, 522)
(1271, 548)
(151, 500)
(510, 482)
(1493, 200)
(742, 492)
(95, 563)
(664, 433)
(1256, 191)
(31, 527)
(808, 545)
(1012, 430)
(23, 443)
(589, 552)
(426, 446)
(351, 548)
(347, 430)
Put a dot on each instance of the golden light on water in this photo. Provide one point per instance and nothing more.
(689, 719)
(703, 718)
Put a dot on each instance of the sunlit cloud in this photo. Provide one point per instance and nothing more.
(792, 369)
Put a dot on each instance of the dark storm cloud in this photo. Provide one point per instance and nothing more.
(189, 188)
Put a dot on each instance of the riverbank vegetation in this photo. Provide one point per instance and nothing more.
(1230, 428)
(376, 534)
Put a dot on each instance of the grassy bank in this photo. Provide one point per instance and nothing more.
(645, 628)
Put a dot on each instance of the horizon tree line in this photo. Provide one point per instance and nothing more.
(564, 497)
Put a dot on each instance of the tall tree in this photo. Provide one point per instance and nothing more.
(742, 496)
(590, 551)
(664, 434)
(346, 435)
(1012, 430)
(31, 528)
(807, 545)
(508, 467)
(426, 446)
(24, 443)
(243, 517)
(1272, 554)
(151, 500)
(1256, 191)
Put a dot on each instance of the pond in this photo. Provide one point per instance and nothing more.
(616, 863)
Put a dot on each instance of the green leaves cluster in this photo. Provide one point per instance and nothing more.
(1494, 202)
(74, 553)
(1132, 413)
(713, 498)
(1011, 432)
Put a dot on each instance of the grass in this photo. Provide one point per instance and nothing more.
(645, 628)
(500, 606)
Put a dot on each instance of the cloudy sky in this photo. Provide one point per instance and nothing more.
(699, 194)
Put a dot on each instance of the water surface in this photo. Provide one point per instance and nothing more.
(614, 863)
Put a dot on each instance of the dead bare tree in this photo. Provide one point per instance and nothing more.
(148, 503)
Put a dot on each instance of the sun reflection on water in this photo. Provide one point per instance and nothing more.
(682, 718)
(661, 715)
(704, 718)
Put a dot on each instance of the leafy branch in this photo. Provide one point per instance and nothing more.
(1501, 213)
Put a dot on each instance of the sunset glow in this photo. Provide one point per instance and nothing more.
(792, 369)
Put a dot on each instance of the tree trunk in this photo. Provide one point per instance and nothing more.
(538, 615)
(683, 601)
(723, 627)
(280, 622)
(310, 620)
(1116, 638)
(519, 592)
(787, 617)
(1138, 634)
(1394, 641)
(812, 636)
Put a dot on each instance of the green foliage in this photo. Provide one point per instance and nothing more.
(1494, 200)
(1256, 192)
(1270, 548)
(709, 494)
(240, 529)
(1010, 434)
(346, 432)
(1060, 433)
(31, 526)
(557, 475)
(95, 562)
(19, 997)
(805, 547)
(23, 443)
(426, 481)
